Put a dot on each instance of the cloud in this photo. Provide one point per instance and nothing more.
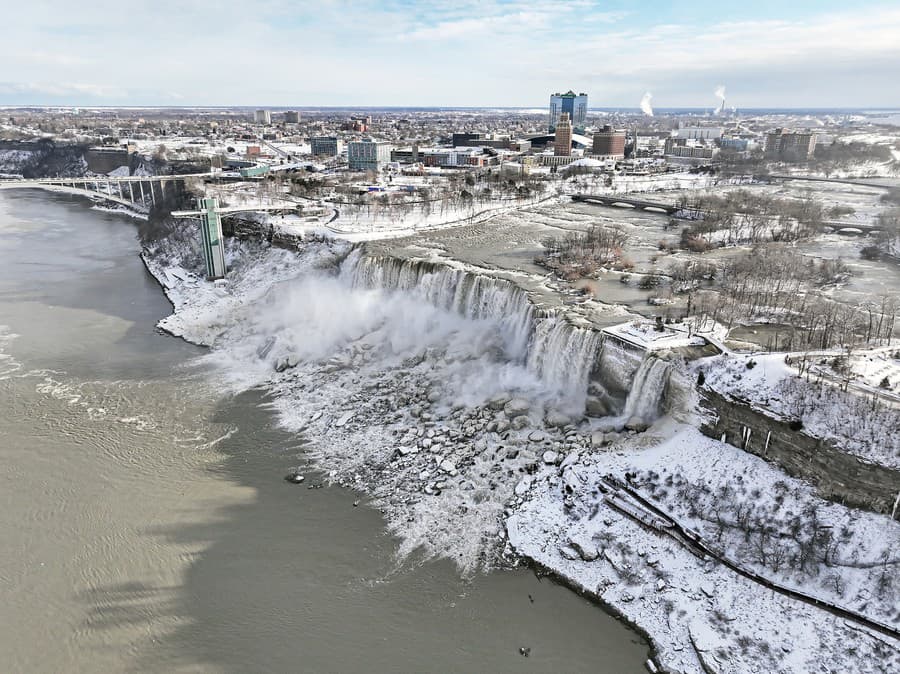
(431, 52)
(59, 90)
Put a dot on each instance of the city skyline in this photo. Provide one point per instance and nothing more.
(397, 53)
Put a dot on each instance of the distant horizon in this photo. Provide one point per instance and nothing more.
(860, 109)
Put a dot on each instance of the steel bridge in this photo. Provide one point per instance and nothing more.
(126, 190)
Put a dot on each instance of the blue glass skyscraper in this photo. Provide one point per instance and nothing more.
(574, 104)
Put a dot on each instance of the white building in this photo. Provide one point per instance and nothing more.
(699, 132)
(368, 155)
(262, 117)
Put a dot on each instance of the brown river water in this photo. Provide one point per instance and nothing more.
(145, 524)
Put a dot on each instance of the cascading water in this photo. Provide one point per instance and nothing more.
(647, 390)
(617, 366)
(560, 354)
(563, 355)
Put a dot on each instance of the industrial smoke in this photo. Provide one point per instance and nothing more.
(720, 93)
(645, 104)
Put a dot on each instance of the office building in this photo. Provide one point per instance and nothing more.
(575, 105)
(609, 142)
(324, 146)
(292, 117)
(562, 144)
(691, 148)
(368, 155)
(699, 132)
(262, 117)
(790, 145)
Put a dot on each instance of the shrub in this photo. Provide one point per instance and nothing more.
(650, 281)
(870, 253)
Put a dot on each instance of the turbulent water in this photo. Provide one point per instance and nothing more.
(562, 356)
(435, 390)
(647, 391)
(145, 522)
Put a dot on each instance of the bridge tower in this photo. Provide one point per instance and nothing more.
(211, 237)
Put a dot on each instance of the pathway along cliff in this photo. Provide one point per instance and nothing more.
(146, 525)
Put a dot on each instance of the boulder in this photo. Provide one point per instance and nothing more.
(343, 419)
(516, 407)
(498, 401)
(596, 407)
(569, 552)
(636, 424)
(598, 439)
(570, 460)
(519, 422)
(587, 551)
(537, 436)
(286, 363)
(549, 457)
(556, 419)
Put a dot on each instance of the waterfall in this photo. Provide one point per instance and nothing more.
(647, 390)
(561, 354)
(617, 366)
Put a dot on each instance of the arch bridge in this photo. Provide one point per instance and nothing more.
(125, 190)
(615, 200)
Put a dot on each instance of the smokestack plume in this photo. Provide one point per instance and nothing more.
(720, 93)
(645, 104)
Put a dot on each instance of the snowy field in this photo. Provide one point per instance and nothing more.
(700, 615)
(849, 418)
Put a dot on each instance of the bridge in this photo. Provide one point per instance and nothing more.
(125, 190)
(852, 228)
(860, 182)
(627, 202)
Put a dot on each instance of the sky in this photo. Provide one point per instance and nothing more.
(467, 53)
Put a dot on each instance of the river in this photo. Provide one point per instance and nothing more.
(144, 519)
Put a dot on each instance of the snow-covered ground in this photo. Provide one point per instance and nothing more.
(700, 615)
(852, 419)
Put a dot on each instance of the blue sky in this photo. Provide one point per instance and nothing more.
(465, 53)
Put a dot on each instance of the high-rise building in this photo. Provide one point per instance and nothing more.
(790, 145)
(609, 142)
(324, 146)
(368, 155)
(562, 144)
(575, 105)
(292, 117)
(262, 117)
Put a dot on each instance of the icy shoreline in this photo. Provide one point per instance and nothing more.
(452, 480)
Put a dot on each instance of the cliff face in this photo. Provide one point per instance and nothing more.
(42, 159)
(837, 475)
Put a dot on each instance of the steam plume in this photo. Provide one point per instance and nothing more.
(720, 93)
(645, 104)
